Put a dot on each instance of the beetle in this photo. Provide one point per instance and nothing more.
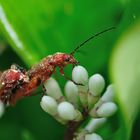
(11, 80)
(16, 82)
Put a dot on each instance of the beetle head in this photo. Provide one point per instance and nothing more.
(62, 59)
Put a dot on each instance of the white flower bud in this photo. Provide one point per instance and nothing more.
(94, 124)
(96, 84)
(109, 94)
(93, 136)
(67, 111)
(1, 109)
(80, 75)
(71, 91)
(106, 109)
(53, 89)
(49, 105)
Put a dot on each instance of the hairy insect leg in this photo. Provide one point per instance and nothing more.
(62, 73)
(44, 89)
(17, 67)
(40, 92)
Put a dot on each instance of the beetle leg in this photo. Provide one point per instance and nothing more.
(17, 67)
(44, 90)
(62, 73)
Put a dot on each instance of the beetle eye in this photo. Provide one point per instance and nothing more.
(67, 59)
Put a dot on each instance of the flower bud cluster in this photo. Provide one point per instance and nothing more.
(80, 101)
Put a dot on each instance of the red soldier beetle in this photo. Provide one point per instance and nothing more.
(16, 82)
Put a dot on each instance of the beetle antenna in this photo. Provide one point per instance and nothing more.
(95, 35)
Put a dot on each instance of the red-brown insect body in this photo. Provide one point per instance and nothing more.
(47, 66)
(10, 80)
(62, 59)
(17, 83)
(37, 75)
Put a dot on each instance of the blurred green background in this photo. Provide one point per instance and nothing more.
(33, 29)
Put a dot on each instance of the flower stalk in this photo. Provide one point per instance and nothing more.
(81, 102)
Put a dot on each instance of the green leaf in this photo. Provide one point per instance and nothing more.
(125, 71)
(38, 28)
(26, 135)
